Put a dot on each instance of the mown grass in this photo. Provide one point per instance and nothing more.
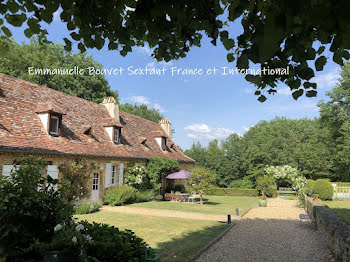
(176, 239)
(341, 208)
(212, 204)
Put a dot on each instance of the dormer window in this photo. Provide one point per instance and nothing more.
(54, 125)
(164, 143)
(116, 135)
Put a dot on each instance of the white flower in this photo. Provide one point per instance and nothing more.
(57, 227)
(79, 227)
(87, 238)
(74, 239)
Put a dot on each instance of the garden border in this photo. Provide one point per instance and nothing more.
(205, 248)
(335, 229)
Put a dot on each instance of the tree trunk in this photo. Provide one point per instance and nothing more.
(201, 197)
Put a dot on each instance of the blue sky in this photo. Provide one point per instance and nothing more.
(200, 108)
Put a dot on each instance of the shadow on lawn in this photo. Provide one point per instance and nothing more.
(344, 213)
(181, 249)
(253, 240)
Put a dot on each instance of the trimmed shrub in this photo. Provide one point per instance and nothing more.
(144, 196)
(110, 244)
(271, 191)
(323, 189)
(242, 183)
(158, 198)
(118, 196)
(218, 191)
(86, 207)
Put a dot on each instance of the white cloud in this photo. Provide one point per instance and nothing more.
(327, 80)
(138, 100)
(294, 106)
(246, 128)
(203, 131)
(143, 100)
(159, 108)
(145, 50)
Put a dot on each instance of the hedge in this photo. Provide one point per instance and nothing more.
(219, 191)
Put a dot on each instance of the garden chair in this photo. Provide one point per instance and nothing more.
(192, 197)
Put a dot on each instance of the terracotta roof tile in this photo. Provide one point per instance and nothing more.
(21, 128)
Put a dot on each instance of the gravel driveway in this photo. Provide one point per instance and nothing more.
(273, 233)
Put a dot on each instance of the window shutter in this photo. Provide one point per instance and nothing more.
(7, 170)
(108, 175)
(121, 174)
(52, 171)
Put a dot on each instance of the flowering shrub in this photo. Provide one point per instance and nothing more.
(30, 208)
(137, 177)
(287, 176)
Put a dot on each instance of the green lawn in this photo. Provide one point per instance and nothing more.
(176, 239)
(212, 204)
(341, 208)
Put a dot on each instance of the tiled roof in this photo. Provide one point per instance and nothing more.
(21, 129)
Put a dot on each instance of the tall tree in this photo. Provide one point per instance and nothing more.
(275, 35)
(17, 61)
(335, 114)
(142, 111)
(40, 55)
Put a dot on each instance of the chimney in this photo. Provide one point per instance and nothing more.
(165, 124)
(112, 107)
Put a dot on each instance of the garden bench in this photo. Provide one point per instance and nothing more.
(305, 217)
(175, 197)
(286, 190)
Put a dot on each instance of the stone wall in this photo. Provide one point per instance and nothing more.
(335, 229)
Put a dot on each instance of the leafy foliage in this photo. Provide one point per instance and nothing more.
(158, 168)
(137, 177)
(39, 55)
(242, 183)
(276, 34)
(27, 200)
(86, 207)
(200, 179)
(117, 196)
(75, 177)
(323, 189)
(142, 111)
(298, 143)
(335, 115)
(265, 185)
(111, 244)
(286, 176)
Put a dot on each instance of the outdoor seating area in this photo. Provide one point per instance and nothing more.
(181, 197)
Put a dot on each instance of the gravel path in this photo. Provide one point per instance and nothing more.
(165, 213)
(273, 233)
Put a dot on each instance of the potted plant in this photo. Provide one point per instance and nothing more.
(262, 183)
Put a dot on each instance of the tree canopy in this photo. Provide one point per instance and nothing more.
(40, 55)
(275, 35)
(299, 143)
(335, 115)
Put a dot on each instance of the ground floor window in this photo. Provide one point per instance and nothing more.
(95, 182)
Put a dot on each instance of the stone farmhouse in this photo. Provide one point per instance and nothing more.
(38, 121)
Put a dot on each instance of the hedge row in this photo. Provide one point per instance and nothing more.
(218, 191)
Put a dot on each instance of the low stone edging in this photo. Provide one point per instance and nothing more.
(197, 254)
(335, 229)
